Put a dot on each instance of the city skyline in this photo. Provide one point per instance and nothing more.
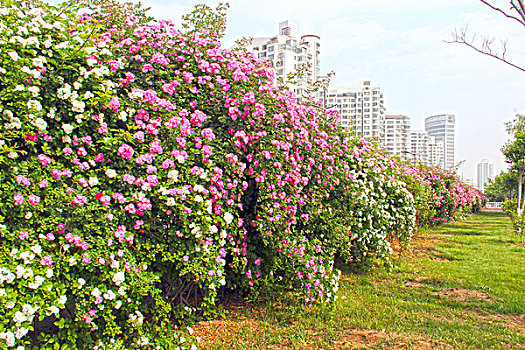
(400, 46)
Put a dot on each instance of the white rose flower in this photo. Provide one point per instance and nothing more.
(34, 104)
(21, 332)
(68, 128)
(173, 175)
(53, 310)
(170, 202)
(19, 317)
(78, 106)
(40, 124)
(110, 295)
(123, 116)
(93, 181)
(9, 338)
(111, 173)
(119, 277)
(91, 62)
(72, 261)
(64, 92)
(228, 217)
(14, 56)
(37, 249)
(62, 300)
(20, 271)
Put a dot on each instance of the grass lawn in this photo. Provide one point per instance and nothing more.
(460, 286)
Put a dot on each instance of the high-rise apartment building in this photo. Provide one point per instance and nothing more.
(419, 146)
(287, 53)
(425, 149)
(485, 172)
(436, 152)
(397, 135)
(361, 109)
(442, 127)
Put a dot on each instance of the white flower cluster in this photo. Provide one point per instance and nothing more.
(136, 318)
(111, 173)
(6, 275)
(119, 278)
(14, 122)
(172, 176)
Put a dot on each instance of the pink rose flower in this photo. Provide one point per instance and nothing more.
(23, 235)
(34, 200)
(46, 261)
(125, 151)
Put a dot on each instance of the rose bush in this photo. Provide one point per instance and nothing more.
(144, 168)
(441, 195)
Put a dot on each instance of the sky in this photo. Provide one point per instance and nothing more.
(399, 46)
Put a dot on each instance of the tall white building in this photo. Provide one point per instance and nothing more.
(436, 152)
(287, 52)
(425, 149)
(419, 146)
(361, 109)
(485, 172)
(442, 127)
(397, 135)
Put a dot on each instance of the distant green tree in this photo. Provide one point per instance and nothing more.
(502, 187)
(514, 152)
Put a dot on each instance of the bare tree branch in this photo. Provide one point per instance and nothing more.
(485, 45)
(520, 10)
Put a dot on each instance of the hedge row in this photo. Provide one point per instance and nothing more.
(144, 168)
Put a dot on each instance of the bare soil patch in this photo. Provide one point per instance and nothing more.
(515, 321)
(461, 294)
(368, 339)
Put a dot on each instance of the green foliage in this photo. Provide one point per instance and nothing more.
(502, 187)
(144, 169)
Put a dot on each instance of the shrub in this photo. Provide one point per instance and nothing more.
(144, 168)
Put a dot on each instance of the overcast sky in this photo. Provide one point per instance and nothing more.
(399, 46)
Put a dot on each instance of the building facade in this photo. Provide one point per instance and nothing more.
(361, 109)
(287, 52)
(397, 135)
(485, 171)
(443, 128)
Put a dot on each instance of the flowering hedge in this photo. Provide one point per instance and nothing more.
(442, 196)
(144, 168)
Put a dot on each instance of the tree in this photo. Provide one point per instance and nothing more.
(514, 152)
(502, 187)
(486, 44)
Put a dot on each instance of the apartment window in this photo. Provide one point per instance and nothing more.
(270, 48)
(270, 57)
